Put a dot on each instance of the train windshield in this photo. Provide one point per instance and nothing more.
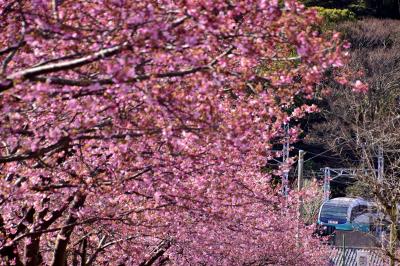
(335, 211)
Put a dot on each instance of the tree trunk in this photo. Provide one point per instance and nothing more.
(31, 252)
(60, 250)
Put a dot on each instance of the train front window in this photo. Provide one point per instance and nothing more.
(334, 211)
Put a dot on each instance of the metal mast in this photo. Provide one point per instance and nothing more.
(327, 183)
(285, 159)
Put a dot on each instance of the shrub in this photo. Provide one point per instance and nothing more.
(333, 15)
(330, 3)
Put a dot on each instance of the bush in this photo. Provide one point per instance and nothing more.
(330, 3)
(358, 7)
(333, 15)
(376, 8)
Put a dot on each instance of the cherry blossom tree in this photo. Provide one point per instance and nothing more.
(134, 132)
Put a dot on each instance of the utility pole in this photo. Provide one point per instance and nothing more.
(285, 158)
(380, 179)
(327, 186)
(343, 250)
(332, 174)
(300, 167)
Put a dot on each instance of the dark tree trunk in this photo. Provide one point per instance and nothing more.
(31, 253)
(60, 250)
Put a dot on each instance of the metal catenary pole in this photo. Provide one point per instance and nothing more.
(300, 170)
(299, 188)
(285, 159)
(327, 186)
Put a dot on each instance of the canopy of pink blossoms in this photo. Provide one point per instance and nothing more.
(135, 131)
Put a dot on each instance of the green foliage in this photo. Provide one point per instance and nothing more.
(333, 3)
(334, 15)
(360, 8)
(310, 207)
(376, 8)
(340, 4)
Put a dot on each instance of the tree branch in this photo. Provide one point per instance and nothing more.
(35, 73)
(157, 252)
(61, 144)
(32, 72)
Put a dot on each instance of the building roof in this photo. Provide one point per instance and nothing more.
(336, 256)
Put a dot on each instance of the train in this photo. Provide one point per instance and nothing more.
(347, 214)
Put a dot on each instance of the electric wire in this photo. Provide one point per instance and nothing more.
(319, 154)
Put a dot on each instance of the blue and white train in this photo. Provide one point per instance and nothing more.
(347, 214)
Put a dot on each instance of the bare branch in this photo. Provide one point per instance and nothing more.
(64, 65)
(8, 49)
(51, 68)
(61, 144)
(36, 72)
(157, 252)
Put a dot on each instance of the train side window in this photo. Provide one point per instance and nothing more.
(363, 209)
(354, 213)
(357, 211)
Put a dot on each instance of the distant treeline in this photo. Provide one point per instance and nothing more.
(376, 8)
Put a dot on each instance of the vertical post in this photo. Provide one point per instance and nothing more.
(393, 238)
(380, 164)
(299, 188)
(285, 157)
(380, 179)
(327, 187)
(300, 170)
(344, 250)
(54, 4)
(364, 159)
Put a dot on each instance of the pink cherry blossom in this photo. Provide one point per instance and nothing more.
(133, 126)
